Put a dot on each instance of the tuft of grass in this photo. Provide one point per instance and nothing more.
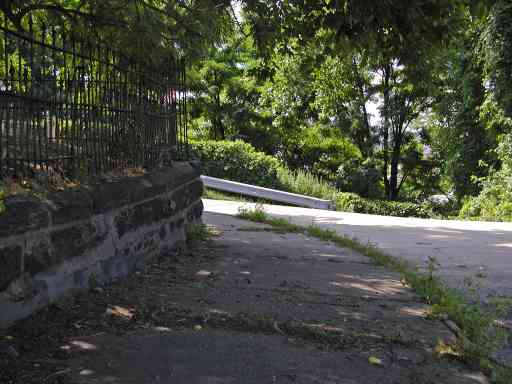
(213, 194)
(478, 336)
(2, 202)
(197, 232)
(305, 183)
(217, 195)
(259, 215)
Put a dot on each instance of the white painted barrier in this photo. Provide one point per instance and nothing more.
(266, 193)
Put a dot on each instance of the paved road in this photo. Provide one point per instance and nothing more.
(479, 252)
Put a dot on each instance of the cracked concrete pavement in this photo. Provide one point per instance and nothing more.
(250, 305)
(465, 250)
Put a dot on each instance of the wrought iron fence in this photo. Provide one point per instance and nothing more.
(78, 108)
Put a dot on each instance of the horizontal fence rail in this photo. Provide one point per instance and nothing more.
(78, 108)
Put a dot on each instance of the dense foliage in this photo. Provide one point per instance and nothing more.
(401, 103)
(394, 101)
(495, 200)
(223, 158)
(350, 202)
(151, 30)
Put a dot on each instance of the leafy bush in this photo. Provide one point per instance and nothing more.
(351, 202)
(305, 183)
(359, 177)
(239, 161)
(494, 203)
(495, 200)
(321, 155)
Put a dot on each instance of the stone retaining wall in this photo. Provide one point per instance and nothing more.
(90, 235)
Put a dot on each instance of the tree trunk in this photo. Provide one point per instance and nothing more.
(395, 160)
(218, 126)
(365, 144)
(385, 128)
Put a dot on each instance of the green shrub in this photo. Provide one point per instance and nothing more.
(305, 183)
(494, 203)
(361, 177)
(239, 161)
(350, 202)
(320, 155)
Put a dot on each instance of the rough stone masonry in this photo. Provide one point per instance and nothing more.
(92, 234)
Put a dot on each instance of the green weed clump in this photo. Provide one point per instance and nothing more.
(218, 195)
(2, 202)
(196, 232)
(305, 183)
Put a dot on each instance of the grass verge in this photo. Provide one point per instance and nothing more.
(2, 203)
(196, 232)
(217, 195)
(213, 194)
(478, 335)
